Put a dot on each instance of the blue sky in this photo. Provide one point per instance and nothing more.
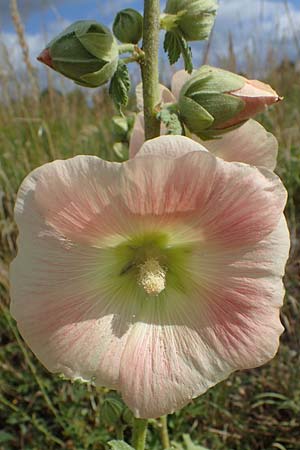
(258, 27)
(39, 15)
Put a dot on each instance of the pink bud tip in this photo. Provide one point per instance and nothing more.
(45, 58)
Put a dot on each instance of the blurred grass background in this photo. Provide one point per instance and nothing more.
(252, 410)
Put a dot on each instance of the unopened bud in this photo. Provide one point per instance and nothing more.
(112, 409)
(214, 101)
(194, 19)
(128, 26)
(86, 52)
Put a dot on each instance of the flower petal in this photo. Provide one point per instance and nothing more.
(184, 346)
(226, 201)
(171, 147)
(179, 78)
(138, 135)
(250, 144)
(66, 310)
(166, 96)
(72, 196)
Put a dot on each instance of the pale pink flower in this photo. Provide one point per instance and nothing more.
(157, 277)
(250, 143)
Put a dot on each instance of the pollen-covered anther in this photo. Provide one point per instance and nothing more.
(152, 277)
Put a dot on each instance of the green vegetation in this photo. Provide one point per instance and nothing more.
(252, 410)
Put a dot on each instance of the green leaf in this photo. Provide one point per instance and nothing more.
(120, 85)
(172, 47)
(119, 445)
(186, 54)
(171, 121)
(189, 444)
(176, 45)
(6, 437)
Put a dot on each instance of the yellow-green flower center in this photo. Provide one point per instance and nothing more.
(152, 277)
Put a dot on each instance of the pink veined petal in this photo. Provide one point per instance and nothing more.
(250, 144)
(65, 307)
(87, 200)
(231, 202)
(173, 148)
(138, 135)
(77, 197)
(166, 96)
(177, 352)
(178, 80)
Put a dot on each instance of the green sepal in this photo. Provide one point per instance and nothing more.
(193, 18)
(222, 107)
(211, 134)
(211, 79)
(111, 409)
(120, 86)
(100, 77)
(194, 116)
(119, 445)
(169, 22)
(102, 46)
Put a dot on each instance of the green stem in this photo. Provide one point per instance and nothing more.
(139, 433)
(130, 59)
(126, 48)
(149, 67)
(120, 432)
(164, 432)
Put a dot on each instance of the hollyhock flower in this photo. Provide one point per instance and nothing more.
(250, 143)
(157, 277)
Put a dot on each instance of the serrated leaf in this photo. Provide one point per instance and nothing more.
(175, 45)
(172, 47)
(186, 54)
(171, 121)
(120, 85)
(119, 445)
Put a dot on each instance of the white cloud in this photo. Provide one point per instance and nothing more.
(258, 27)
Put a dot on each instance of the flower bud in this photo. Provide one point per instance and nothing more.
(214, 101)
(128, 26)
(192, 18)
(86, 52)
(112, 409)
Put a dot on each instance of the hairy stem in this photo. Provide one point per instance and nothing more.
(139, 433)
(149, 67)
(126, 48)
(164, 432)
